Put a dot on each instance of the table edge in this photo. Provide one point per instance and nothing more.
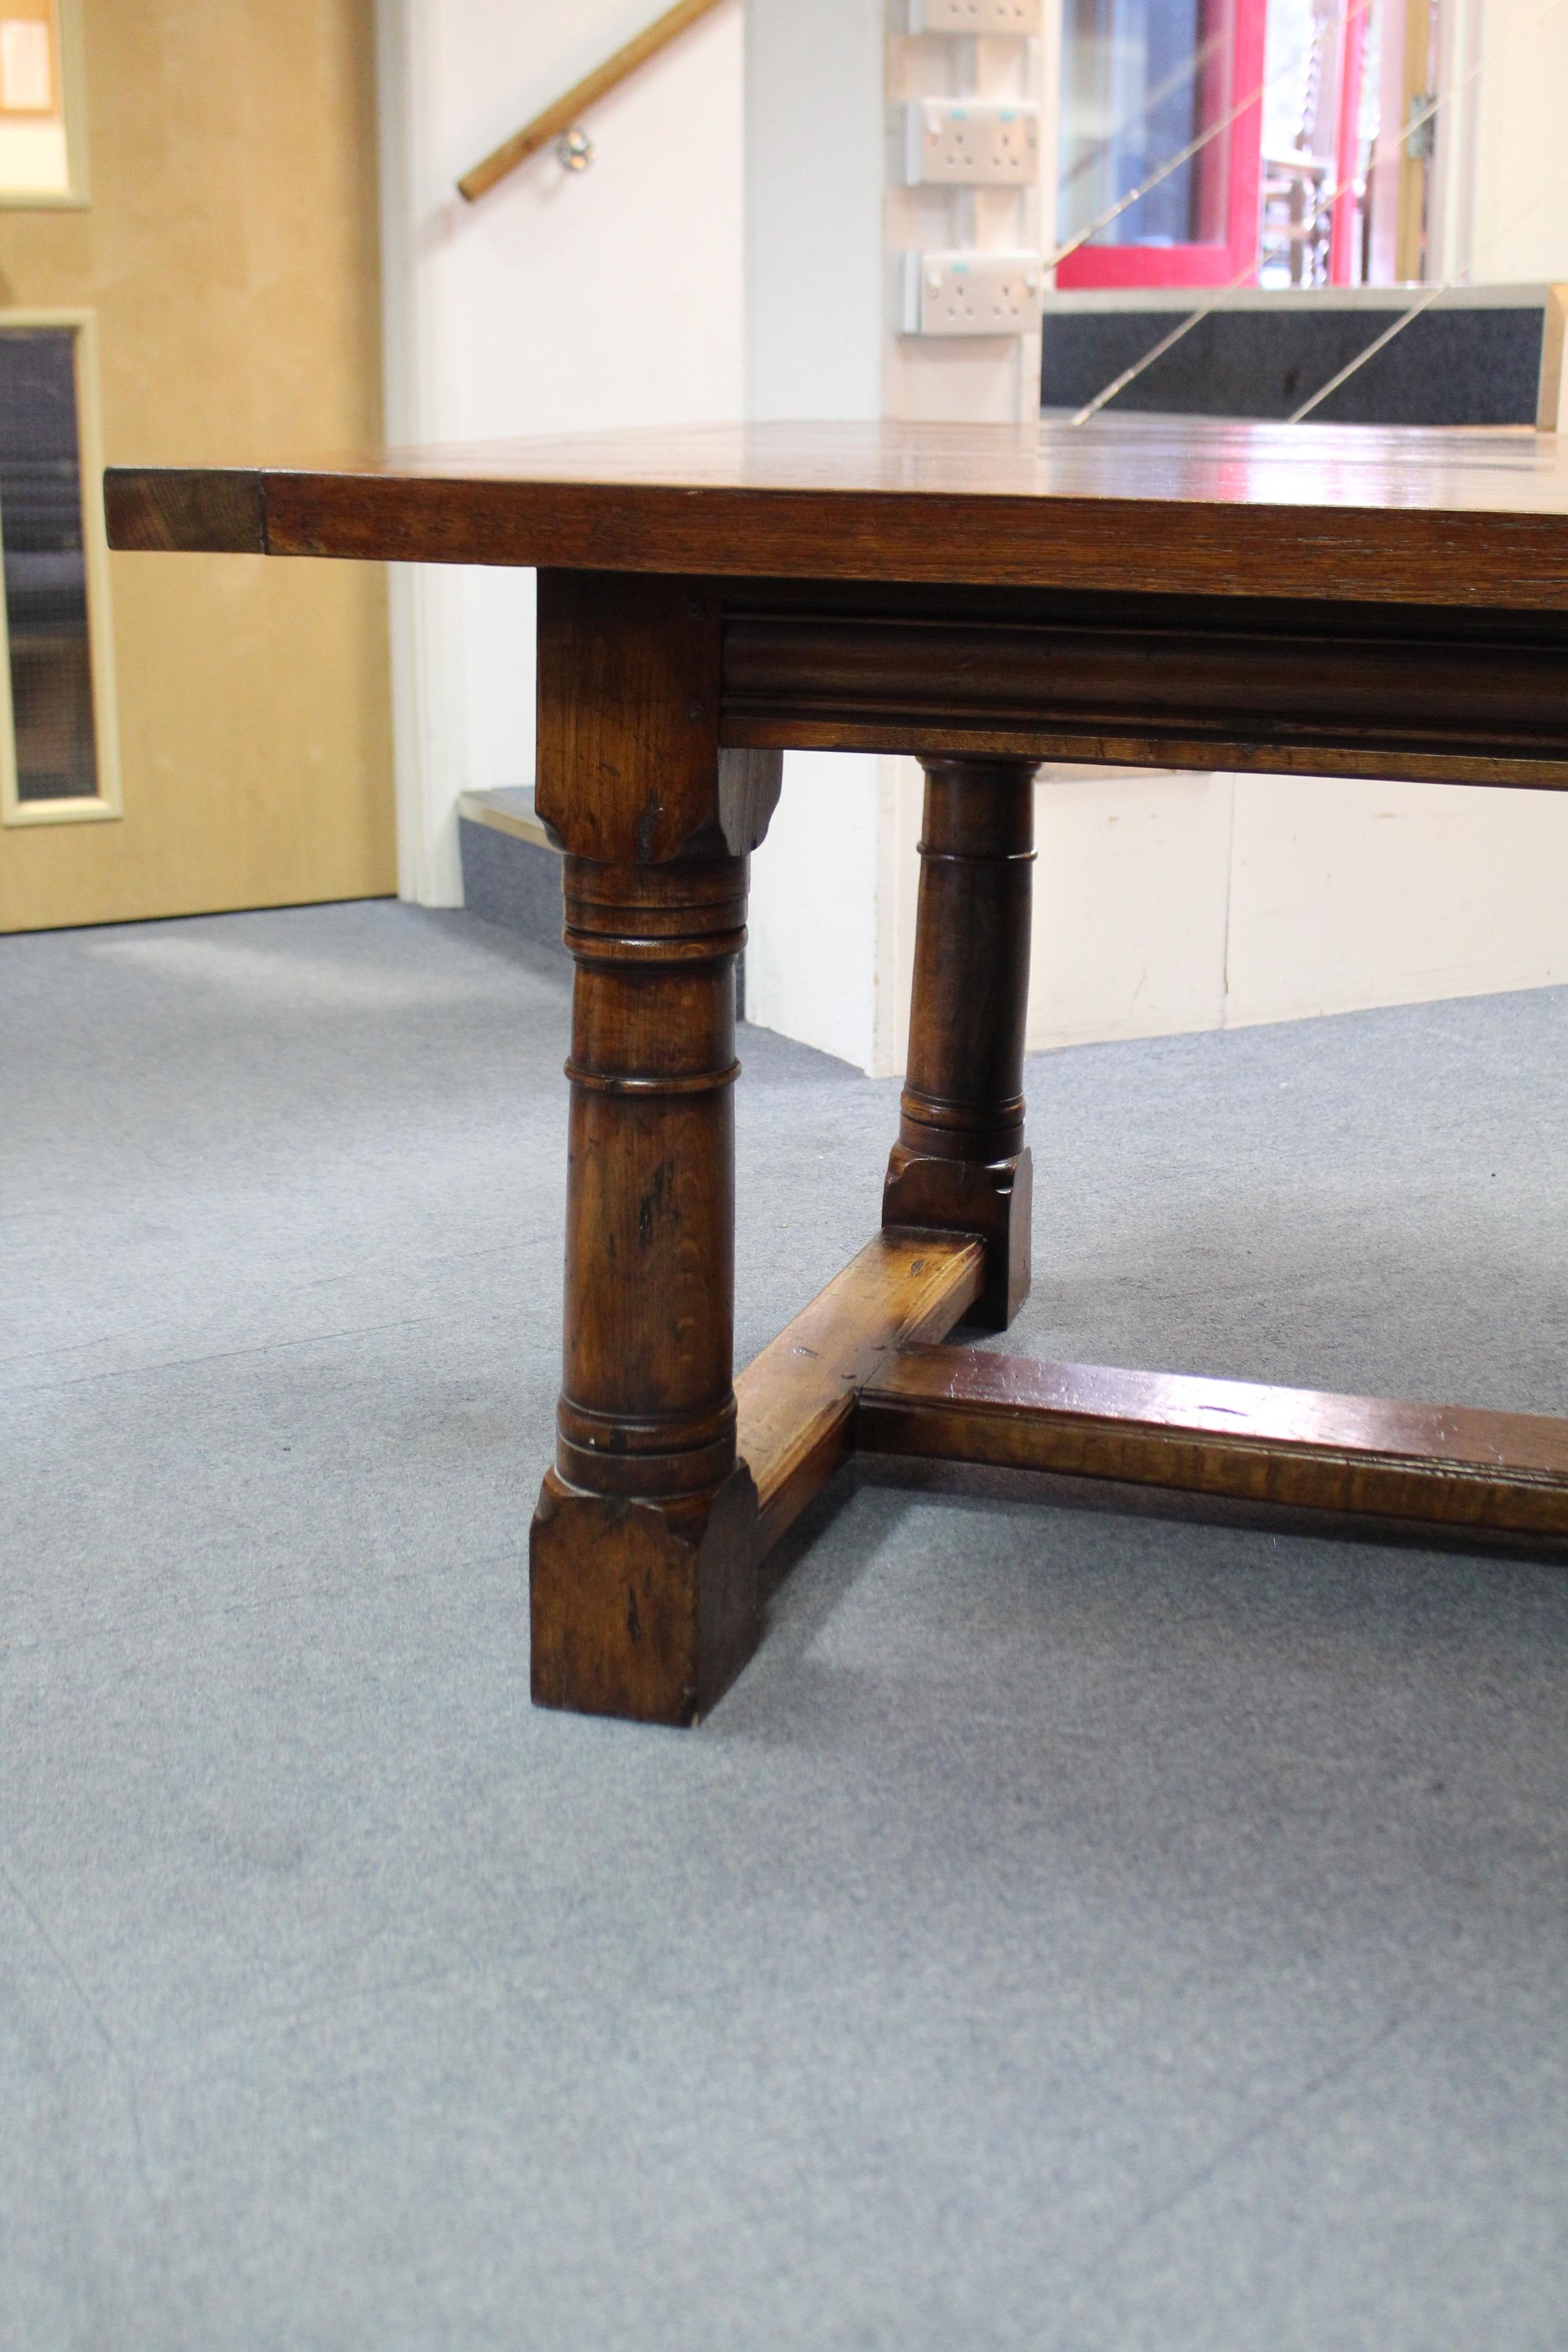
(1481, 557)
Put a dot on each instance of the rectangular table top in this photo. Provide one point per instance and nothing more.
(1187, 506)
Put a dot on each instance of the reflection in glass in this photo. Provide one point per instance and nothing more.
(1140, 81)
(45, 566)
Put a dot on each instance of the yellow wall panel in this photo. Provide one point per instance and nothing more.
(230, 253)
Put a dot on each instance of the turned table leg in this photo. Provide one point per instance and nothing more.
(643, 1559)
(961, 1161)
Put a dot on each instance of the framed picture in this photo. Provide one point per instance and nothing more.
(43, 153)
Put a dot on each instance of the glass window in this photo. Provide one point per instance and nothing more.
(1160, 140)
(44, 567)
(1220, 142)
(1320, 130)
(1135, 77)
(36, 46)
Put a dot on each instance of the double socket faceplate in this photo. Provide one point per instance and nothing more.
(971, 142)
(962, 144)
(984, 17)
(970, 293)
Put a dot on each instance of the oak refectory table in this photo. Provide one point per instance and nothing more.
(1314, 600)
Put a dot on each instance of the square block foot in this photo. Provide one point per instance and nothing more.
(994, 1200)
(642, 1610)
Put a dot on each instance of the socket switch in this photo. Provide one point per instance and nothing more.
(971, 293)
(1027, 17)
(971, 142)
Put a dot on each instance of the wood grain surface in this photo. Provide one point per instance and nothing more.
(1451, 1464)
(1159, 680)
(627, 700)
(628, 755)
(647, 1404)
(1343, 599)
(960, 1162)
(1181, 507)
(642, 1560)
(796, 1400)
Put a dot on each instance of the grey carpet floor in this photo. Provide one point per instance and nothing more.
(1084, 1926)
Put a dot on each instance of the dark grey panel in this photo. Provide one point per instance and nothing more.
(1447, 367)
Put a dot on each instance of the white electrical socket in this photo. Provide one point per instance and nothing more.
(1027, 17)
(971, 293)
(971, 142)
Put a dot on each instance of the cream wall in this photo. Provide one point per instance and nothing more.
(1168, 903)
(1165, 902)
(605, 298)
(1504, 191)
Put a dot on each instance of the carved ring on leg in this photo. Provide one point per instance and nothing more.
(643, 1558)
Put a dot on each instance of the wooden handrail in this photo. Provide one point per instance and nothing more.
(564, 112)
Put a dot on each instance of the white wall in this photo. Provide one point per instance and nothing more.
(1513, 184)
(813, 141)
(669, 283)
(605, 298)
(832, 918)
(1172, 902)
(1165, 902)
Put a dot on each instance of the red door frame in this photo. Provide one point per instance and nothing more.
(1232, 255)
